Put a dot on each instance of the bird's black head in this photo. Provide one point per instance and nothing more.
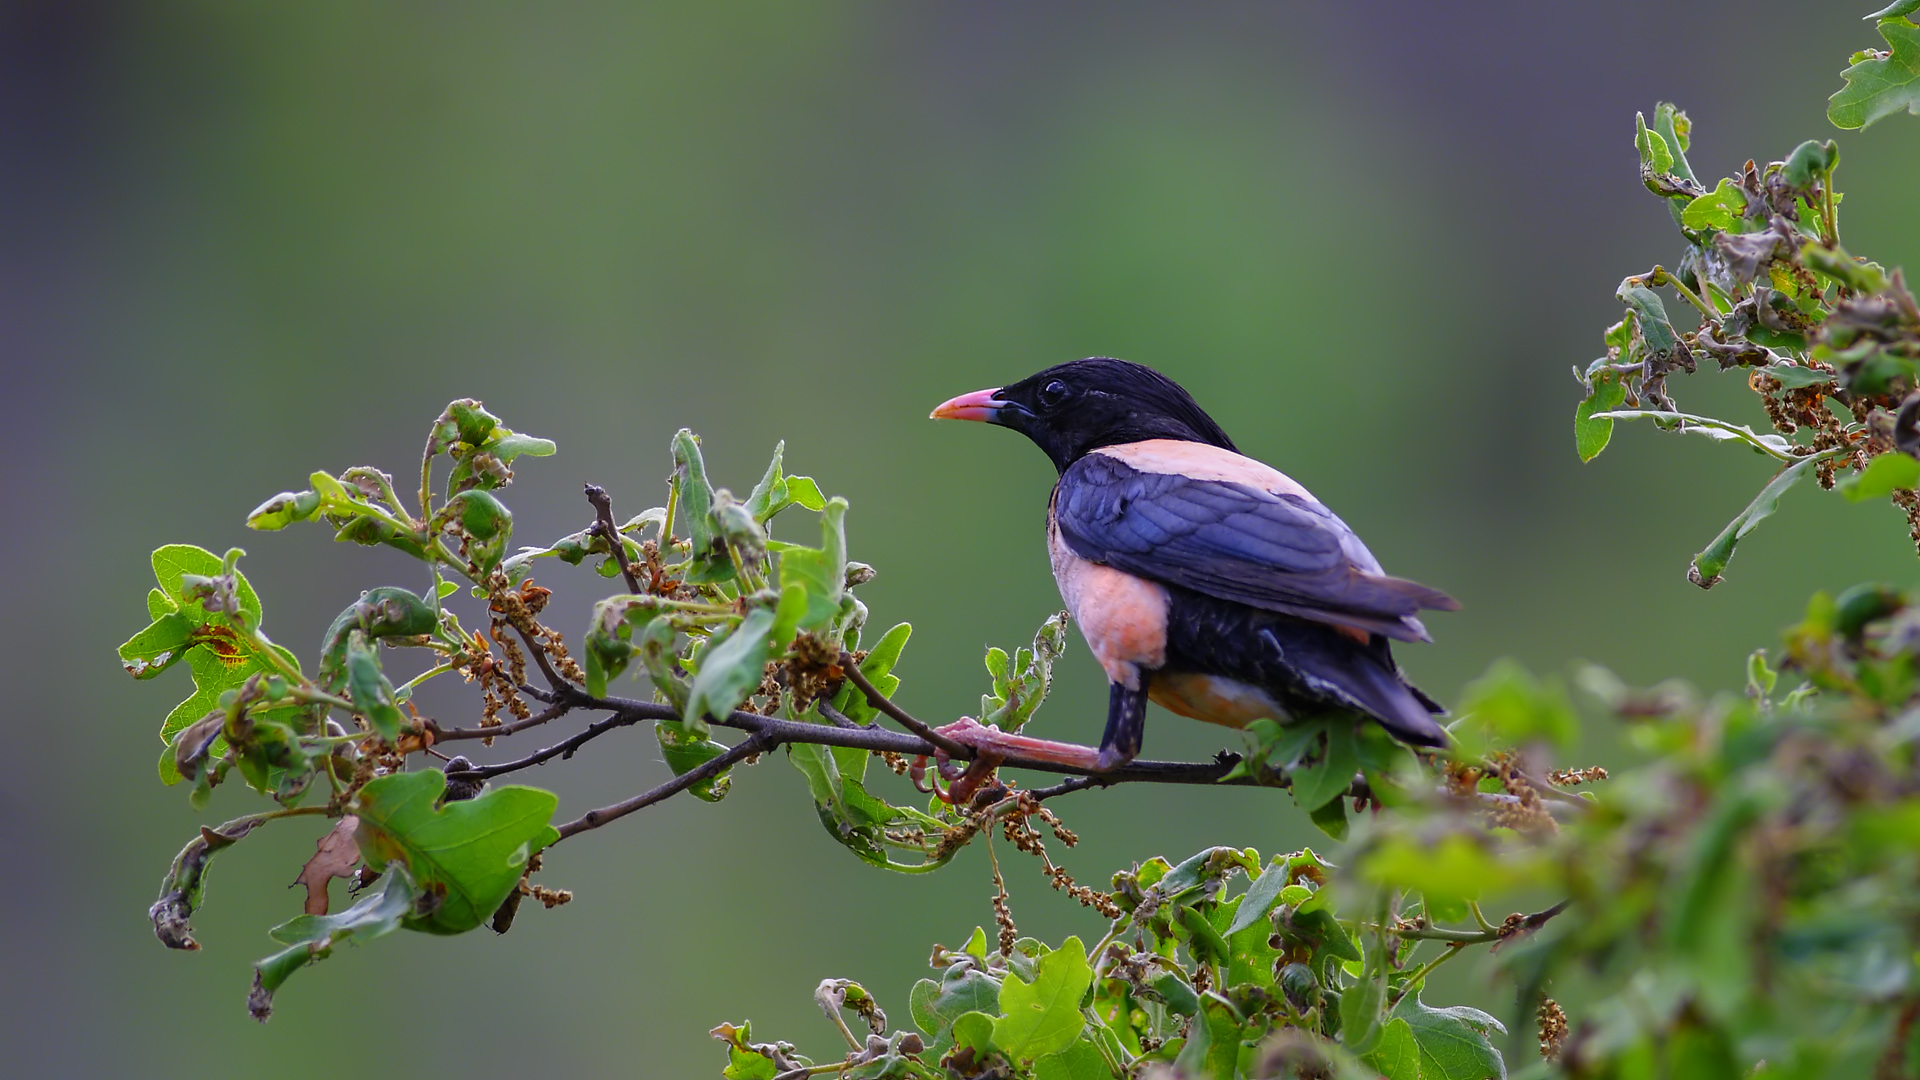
(1078, 407)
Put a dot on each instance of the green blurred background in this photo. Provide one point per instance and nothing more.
(246, 241)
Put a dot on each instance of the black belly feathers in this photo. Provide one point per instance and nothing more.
(1272, 603)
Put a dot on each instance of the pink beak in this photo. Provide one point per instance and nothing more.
(979, 405)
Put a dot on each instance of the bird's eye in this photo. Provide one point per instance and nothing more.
(1053, 394)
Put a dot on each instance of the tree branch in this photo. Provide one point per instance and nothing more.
(562, 749)
(552, 712)
(605, 526)
(880, 701)
(1513, 927)
(561, 687)
(593, 819)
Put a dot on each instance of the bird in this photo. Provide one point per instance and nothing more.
(1203, 580)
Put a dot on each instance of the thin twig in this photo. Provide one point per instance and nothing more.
(906, 719)
(1527, 924)
(604, 526)
(839, 719)
(553, 712)
(758, 743)
(560, 685)
(561, 749)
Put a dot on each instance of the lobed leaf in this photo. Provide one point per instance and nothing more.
(466, 855)
(1043, 1016)
(1453, 1042)
(1880, 86)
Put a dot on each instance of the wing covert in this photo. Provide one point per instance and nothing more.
(1235, 541)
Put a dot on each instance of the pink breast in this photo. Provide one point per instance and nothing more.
(1123, 618)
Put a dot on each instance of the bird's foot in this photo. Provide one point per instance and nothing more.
(992, 746)
(962, 782)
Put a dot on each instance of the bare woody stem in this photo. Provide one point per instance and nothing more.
(907, 720)
(593, 819)
(1526, 924)
(604, 526)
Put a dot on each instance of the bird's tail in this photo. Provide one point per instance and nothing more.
(1362, 676)
(1400, 708)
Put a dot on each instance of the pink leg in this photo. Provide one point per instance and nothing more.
(991, 741)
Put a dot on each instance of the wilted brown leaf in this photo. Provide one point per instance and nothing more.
(335, 857)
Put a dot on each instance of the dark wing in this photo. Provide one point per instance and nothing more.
(1235, 542)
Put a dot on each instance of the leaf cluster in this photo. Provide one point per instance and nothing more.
(1829, 342)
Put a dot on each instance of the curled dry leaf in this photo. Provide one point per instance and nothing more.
(334, 857)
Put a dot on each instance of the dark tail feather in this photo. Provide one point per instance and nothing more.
(1402, 710)
(1364, 677)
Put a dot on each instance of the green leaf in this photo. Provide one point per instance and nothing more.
(468, 854)
(372, 693)
(1514, 707)
(1654, 154)
(472, 423)
(1202, 872)
(974, 1031)
(1793, 376)
(821, 572)
(734, 667)
(1881, 86)
(1331, 818)
(1590, 436)
(311, 938)
(284, 509)
(1081, 1061)
(1043, 1017)
(1454, 868)
(488, 524)
(1250, 955)
(383, 612)
(1177, 995)
(1718, 209)
(1361, 1003)
(1453, 1042)
(1672, 126)
(174, 562)
(878, 668)
(161, 645)
(1810, 161)
(213, 675)
(1650, 318)
(1708, 565)
(1212, 1049)
(685, 752)
(1329, 777)
(508, 447)
(1260, 897)
(1397, 1055)
(962, 989)
(802, 491)
(1020, 687)
(1882, 477)
(694, 495)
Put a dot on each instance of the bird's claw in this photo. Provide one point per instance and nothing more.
(962, 781)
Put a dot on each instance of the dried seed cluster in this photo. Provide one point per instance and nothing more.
(1553, 1029)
